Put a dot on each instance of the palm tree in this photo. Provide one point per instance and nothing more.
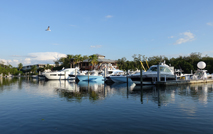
(93, 59)
(33, 69)
(47, 67)
(68, 59)
(79, 58)
(20, 66)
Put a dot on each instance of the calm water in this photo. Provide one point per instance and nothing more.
(39, 107)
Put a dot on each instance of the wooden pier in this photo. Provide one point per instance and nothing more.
(181, 82)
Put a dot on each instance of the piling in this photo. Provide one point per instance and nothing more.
(88, 76)
(158, 97)
(104, 74)
(158, 72)
(127, 77)
(141, 77)
(141, 94)
(75, 73)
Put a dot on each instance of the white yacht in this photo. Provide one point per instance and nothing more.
(150, 76)
(68, 73)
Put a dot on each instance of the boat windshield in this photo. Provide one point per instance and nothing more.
(162, 69)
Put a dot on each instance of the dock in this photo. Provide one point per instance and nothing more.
(181, 82)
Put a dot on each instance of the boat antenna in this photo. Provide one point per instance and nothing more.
(147, 64)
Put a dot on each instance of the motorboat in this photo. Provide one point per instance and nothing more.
(150, 76)
(201, 75)
(182, 76)
(64, 74)
(115, 73)
(120, 78)
(34, 76)
(9, 75)
(91, 76)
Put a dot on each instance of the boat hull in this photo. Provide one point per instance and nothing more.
(90, 78)
(120, 79)
(66, 74)
(150, 79)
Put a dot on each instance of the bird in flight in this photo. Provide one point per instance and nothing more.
(48, 29)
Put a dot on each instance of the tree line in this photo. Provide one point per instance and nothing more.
(186, 63)
(71, 61)
(64, 62)
(8, 69)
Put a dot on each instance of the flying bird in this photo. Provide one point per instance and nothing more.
(48, 29)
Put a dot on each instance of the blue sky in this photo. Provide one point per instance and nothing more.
(114, 28)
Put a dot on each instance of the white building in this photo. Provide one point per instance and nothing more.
(28, 67)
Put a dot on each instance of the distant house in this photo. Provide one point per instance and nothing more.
(86, 65)
(28, 67)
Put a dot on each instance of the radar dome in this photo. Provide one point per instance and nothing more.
(201, 65)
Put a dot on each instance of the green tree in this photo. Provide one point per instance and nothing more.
(121, 63)
(20, 66)
(77, 59)
(48, 66)
(93, 59)
(68, 60)
(33, 69)
(138, 59)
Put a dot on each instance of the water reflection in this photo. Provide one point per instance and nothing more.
(5, 83)
(97, 91)
(201, 92)
(66, 105)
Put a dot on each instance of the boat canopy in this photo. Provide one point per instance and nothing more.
(162, 69)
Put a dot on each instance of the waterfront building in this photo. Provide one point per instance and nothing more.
(28, 67)
(86, 65)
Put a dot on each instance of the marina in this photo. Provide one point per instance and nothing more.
(106, 67)
(62, 106)
(159, 75)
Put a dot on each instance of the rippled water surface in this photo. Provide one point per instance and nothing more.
(35, 107)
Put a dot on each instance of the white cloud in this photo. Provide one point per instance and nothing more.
(15, 62)
(188, 36)
(28, 56)
(209, 23)
(3, 61)
(97, 46)
(171, 37)
(45, 56)
(27, 61)
(11, 62)
(34, 58)
(108, 16)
